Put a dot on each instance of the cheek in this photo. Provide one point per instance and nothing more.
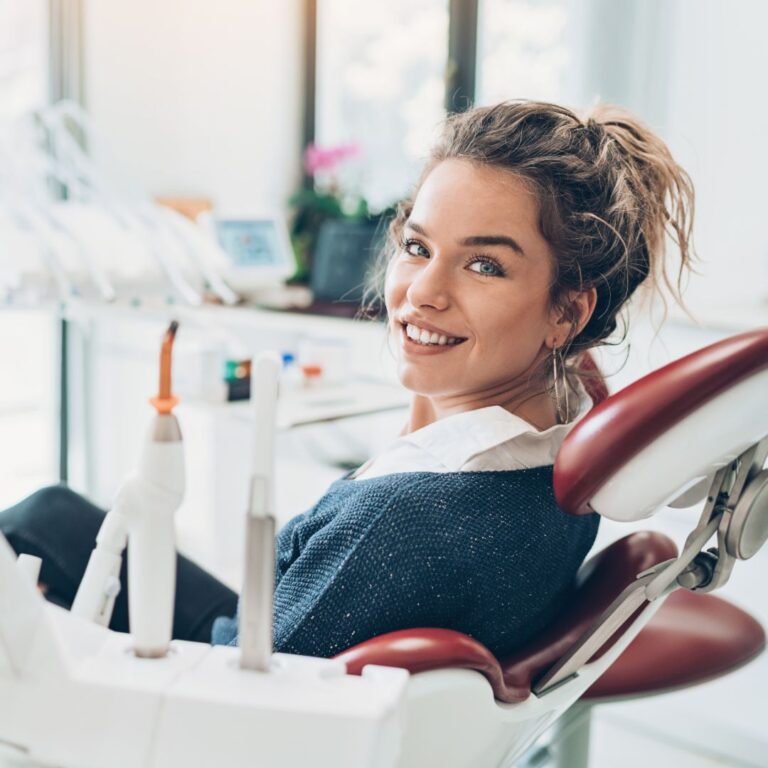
(514, 327)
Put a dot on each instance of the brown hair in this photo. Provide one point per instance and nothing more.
(609, 193)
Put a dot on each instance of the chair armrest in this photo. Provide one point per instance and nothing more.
(426, 649)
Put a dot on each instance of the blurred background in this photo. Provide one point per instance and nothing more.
(220, 106)
(290, 130)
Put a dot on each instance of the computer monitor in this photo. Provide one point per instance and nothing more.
(258, 250)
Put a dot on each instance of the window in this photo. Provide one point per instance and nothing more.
(527, 49)
(381, 86)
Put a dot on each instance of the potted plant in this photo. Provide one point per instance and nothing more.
(322, 199)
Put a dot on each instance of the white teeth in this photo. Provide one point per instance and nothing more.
(422, 336)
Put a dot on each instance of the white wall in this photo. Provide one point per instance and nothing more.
(695, 71)
(717, 126)
(198, 98)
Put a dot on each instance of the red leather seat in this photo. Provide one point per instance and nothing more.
(692, 638)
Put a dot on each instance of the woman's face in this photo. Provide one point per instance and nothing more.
(473, 267)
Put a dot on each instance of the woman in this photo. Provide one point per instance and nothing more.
(528, 231)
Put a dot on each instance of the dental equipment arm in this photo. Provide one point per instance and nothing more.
(255, 628)
(153, 222)
(203, 252)
(142, 516)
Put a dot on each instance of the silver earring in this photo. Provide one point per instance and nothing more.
(556, 375)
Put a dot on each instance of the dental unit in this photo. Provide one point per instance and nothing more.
(140, 700)
(76, 695)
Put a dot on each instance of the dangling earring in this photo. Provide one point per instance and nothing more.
(556, 376)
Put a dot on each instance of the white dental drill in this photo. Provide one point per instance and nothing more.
(256, 606)
(142, 515)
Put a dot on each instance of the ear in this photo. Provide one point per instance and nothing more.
(569, 317)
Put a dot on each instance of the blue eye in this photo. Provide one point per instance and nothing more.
(488, 267)
(409, 245)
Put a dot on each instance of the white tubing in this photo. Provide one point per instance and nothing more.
(264, 379)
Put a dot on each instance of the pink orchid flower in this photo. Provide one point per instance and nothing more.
(327, 158)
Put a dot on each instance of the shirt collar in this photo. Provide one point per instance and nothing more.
(455, 439)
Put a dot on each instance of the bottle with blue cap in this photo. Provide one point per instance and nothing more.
(291, 377)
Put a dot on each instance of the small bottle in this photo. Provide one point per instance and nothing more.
(313, 374)
(291, 377)
(237, 378)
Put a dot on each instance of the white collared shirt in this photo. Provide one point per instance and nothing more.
(484, 439)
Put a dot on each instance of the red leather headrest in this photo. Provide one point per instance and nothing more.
(621, 426)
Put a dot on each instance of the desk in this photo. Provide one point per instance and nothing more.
(320, 403)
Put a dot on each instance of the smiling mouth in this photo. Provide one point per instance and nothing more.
(419, 337)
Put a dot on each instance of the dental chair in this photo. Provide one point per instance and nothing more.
(640, 621)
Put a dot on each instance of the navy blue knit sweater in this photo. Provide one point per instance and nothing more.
(486, 553)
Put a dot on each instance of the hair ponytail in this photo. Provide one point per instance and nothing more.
(661, 189)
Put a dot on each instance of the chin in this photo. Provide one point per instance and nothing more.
(419, 384)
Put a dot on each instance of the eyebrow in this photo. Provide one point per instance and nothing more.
(510, 242)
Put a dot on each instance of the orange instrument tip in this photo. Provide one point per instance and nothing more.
(165, 401)
(164, 405)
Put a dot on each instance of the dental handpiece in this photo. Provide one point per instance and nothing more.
(256, 607)
(100, 585)
(159, 488)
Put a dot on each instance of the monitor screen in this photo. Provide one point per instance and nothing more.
(251, 242)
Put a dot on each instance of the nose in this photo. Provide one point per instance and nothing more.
(431, 286)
